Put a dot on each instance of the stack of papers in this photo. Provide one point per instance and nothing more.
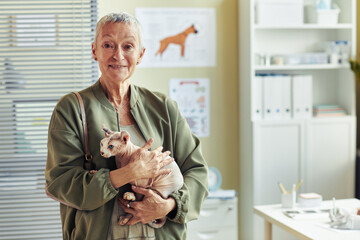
(307, 213)
(328, 111)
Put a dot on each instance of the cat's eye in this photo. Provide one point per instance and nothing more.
(111, 146)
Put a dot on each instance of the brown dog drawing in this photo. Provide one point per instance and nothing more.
(176, 39)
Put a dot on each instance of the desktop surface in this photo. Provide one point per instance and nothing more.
(307, 228)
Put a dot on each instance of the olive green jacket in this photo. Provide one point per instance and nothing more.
(92, 195)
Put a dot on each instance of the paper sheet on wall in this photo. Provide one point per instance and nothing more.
(178, 37)
(193, 98)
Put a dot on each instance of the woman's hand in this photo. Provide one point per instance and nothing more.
(148, 164)
(143, 164)
(153, 206)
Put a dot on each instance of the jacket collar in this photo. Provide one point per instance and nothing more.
(137, 109)
(134, 95)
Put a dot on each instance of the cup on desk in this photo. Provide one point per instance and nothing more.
(288, 199)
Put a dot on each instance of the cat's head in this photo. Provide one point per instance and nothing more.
(114, 143)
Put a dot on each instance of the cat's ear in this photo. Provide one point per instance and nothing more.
(125, 137)
(107, 131)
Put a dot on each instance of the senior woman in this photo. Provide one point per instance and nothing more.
(89, 207)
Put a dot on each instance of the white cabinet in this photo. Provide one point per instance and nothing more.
(321, 151)
(278, 154)
(330, 166)
(217, 220)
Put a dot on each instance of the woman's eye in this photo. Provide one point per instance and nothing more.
(111, 146)
(129, 46)
(107, 45)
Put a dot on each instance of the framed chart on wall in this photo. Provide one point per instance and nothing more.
(193, 98)
(178, 37)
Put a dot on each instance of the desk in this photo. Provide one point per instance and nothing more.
(306, 229)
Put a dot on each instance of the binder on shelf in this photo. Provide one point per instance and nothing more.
(268, 99)
(256, 98)
(302, 96)
(277, 97)
(307, 94)
(286, 96)
(296, 96)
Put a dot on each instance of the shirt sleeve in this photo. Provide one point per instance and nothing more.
(66, 179)
(187, 153)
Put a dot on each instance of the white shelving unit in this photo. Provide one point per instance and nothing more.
(308, 26)
(321, 151)
(301, 67)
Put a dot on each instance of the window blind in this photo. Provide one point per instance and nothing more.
(45, 52)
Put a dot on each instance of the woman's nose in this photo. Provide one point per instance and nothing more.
(118, 54)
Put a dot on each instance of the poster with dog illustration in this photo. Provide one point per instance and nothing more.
(178, 37)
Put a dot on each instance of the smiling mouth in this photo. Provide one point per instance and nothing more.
(116, 66)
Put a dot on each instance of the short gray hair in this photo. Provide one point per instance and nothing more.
(121, 17)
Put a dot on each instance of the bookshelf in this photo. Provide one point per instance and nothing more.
(321, 151)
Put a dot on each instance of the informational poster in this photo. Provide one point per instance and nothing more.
(193, 98)
(178, 37)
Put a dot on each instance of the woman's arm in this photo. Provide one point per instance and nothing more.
(65, 176)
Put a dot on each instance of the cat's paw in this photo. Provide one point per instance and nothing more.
(123, 220)
(130, 196)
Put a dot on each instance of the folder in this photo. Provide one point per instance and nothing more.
(286, 96)
(307, 94)
(277, 97)
(302, 96)
(268, 97)
(297, 91)
(273, 97)
(256, 98)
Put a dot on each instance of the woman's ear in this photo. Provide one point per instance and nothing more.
(140, 56)
(93, 50)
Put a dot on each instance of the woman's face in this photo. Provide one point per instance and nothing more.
(117, 51)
